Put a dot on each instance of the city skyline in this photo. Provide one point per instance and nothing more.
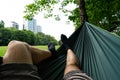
(32, 26)
(12, 10)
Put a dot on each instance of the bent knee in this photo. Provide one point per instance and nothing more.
(17, 51)
(17, 44)
(12, 42)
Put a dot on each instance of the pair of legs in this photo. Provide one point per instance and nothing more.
(21, 52)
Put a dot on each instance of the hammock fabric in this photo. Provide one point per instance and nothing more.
(98, 52)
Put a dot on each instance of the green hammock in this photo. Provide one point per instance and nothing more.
(97, 50)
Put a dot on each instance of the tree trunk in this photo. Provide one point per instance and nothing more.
(83, 14)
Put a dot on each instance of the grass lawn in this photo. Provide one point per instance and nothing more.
(3, 49)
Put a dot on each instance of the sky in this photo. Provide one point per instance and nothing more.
(12, 10)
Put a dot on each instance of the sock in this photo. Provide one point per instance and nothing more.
(51, 47)
(65, 41)
(1, 60)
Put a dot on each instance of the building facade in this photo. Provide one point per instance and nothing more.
(32, 26)
(39, 28)
(15, 25)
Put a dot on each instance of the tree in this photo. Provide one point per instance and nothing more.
(9, 34)
(2, 24)
(5, 36)
(39, 38)
(31, 37)
(39, 5)
(43, 39)
(104, 13)
(51, 39)
(21, 35)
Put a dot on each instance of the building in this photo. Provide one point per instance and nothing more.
(39, 28)
(32, 26)
(14, 25)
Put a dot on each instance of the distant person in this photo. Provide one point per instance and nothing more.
(20, 57)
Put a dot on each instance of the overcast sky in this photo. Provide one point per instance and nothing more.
(12, 10)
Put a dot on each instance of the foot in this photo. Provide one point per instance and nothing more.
(65, 41)
(51, 47)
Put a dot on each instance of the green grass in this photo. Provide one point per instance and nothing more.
(3, 49)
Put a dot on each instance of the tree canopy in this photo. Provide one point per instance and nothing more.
(104, 13)
(9, 34)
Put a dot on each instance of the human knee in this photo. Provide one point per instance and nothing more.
(11, 42)
(17, 52)
(15, 43)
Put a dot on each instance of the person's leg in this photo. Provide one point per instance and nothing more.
(72, 70)
(39, 54)
(71, 62)
(21, 52)
(17, 52)
(18, 64)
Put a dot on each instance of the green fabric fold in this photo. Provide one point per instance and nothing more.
(98, 51)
